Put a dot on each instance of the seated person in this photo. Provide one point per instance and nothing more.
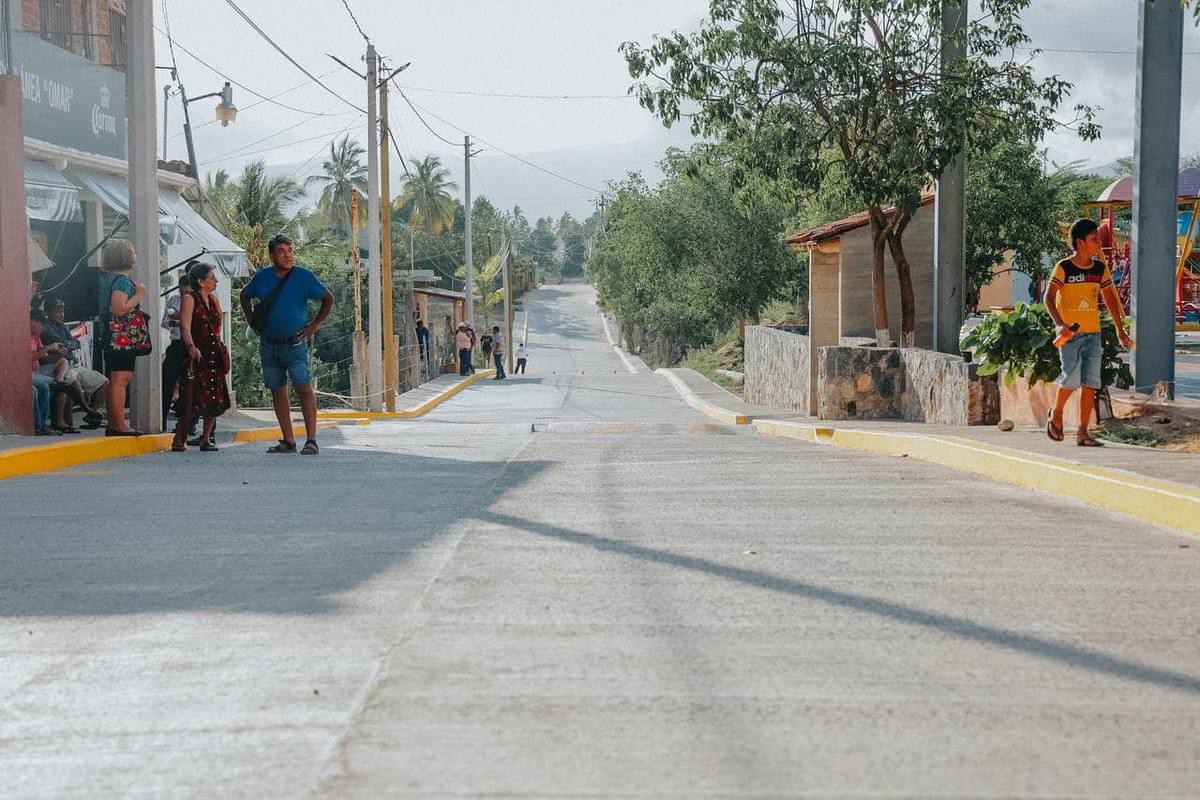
(87, 385)
(41, 382)
(50, 368)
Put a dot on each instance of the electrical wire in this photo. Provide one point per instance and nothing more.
(326, 136)
(515, 96)
(496, 147)
(244, 87)
(268, 100)
(428, 127)
(170, 39)
(266, 37)
(237, 150)
(354, 19)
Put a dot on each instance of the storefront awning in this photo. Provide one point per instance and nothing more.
(190, 226)
(178, 222)
(49, 196)
(38, 260)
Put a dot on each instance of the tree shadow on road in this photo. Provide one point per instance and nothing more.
(264, 534)
(958, 627)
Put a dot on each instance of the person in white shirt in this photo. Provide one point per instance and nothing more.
(522, 355)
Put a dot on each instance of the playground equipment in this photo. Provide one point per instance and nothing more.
(1115, 205)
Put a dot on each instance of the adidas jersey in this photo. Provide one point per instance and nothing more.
(1079, 290)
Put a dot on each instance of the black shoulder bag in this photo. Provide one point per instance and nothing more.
(262, 311)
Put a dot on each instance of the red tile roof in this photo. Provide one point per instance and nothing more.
(832, 230)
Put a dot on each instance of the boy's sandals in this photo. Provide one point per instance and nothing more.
(1053, 431)
(310, 448)
(283, 447)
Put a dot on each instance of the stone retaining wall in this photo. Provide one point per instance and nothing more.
(910, 384)
(776, 368)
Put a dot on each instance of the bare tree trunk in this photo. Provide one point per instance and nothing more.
(883, 337)
(908, 306)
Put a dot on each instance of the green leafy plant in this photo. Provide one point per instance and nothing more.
(1021, 342)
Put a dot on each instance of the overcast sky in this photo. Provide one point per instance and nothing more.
(545, 47)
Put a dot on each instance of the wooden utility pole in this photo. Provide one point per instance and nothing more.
(375, 264)
(390, 361)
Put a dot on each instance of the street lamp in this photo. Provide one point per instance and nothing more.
(226, 113)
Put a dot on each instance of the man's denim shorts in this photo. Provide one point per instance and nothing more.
(281, 362)
(1080, 361)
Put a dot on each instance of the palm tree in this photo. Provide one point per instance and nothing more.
(261, 201)
(220, 192)
(427, 197)
(487, 297)
(344, 174)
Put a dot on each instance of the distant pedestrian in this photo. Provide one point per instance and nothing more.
(119, 299)
(203, 391)
(423, 338)
(462, 343)
(498, 352)
(522, 354)
(474, 344)
(485, 347)
(1073, 300)
(281, 321)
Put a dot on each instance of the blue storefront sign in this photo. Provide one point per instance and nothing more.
(69, 100)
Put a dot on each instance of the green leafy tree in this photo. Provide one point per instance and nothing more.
(680, 263)
(544, 246)
(343, 174)
(781, 83)
(426, 196)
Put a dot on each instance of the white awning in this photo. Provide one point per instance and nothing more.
(49, 196)
(178, 222)
(190, 226)
(38, 260)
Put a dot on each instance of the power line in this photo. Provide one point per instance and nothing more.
(496, 147)
(428, 127)
(285, 54)
(244, 87)
(237, 150)
(170, 38)
(354, 19)
(272, 98)
(515, 96)
(1090, 51)
(328, 137)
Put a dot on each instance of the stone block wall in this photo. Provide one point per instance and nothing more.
(776, 368)
(909, 384)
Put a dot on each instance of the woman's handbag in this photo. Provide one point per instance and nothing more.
(128, 334)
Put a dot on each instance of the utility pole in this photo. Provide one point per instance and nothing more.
(358, 383)
(469, 268)
(949, 227)
(375, 286)
(166, 111)
(143, 197)
(506, 277)
(390, 361)
(1155, 206)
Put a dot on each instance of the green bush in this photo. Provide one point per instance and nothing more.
(1021, 342)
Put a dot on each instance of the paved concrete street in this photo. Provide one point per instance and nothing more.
(570, 585)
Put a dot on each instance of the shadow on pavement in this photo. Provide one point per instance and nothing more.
(251, 536)
(960, 627)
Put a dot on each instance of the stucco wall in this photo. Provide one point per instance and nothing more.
(857, 314)
(776, 368)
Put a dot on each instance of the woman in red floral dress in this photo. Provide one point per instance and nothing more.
(203, 390)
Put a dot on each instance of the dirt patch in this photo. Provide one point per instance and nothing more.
(1166, 432)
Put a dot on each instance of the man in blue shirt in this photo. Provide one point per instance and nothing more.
(286, 290)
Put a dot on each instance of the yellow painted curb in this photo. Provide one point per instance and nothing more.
(703, 406)
(410, 413)
(272, 434)
(1161, 502)
(51, 457)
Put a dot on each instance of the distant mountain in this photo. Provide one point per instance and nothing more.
(508, 182)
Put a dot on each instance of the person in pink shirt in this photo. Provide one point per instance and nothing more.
(462, 343)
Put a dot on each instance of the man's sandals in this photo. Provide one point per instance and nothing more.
(310, 448)
(1055, 432)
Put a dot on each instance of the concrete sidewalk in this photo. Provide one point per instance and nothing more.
(1154, 485)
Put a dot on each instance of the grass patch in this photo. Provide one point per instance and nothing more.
(725, 353)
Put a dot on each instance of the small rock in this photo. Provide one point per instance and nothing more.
(1005, 425)
(1182, 547)
(1163, 420)
(315, 691)
(245, 483)
(750, 553)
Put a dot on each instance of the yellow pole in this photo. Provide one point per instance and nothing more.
(390, 364)
(357, 264)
